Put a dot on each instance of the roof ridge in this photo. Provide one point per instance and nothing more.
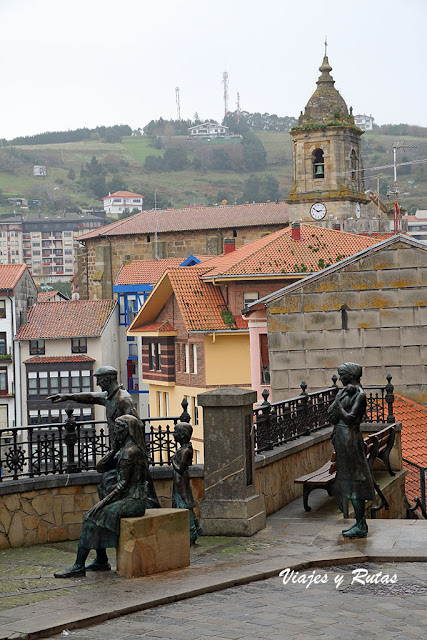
(411, 402)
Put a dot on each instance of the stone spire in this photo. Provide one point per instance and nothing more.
(325, 68)
(326, 104)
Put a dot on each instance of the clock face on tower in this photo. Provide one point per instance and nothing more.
(318, 211)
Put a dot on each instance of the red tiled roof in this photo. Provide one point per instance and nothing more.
(148, 271)
(157, 326)
(123, 194)
(46, 296)
(279, 253)
(145, 271)
(10, 275)
(54, 359)
(194, 218)
(200, 302)
(413, 417)
(75, 318)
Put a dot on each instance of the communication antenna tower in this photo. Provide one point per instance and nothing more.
(178, 104)
(238, 107)
(225, 83)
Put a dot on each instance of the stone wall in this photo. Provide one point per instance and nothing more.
(276, 470)
(122, 249)
(385, 298)
(52, 509)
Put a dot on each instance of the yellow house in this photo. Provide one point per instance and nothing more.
(191, 342)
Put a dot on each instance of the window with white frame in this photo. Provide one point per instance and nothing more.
(194, 350)
(249, 297)
(187, 358)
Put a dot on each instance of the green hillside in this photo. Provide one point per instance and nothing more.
(190, 186)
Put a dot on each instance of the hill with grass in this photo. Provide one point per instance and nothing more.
(128, 164)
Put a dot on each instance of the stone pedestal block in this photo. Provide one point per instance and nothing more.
(158, 541)
(231, 506)
(233, 517)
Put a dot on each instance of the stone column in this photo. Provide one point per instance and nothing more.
(230, 506)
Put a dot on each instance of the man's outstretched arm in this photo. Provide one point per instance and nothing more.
(94, 397)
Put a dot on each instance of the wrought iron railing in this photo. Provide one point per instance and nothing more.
(72, 447)
(280, 422)
(415, 485)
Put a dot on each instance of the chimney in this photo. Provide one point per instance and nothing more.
(296, 231)
(229, 245)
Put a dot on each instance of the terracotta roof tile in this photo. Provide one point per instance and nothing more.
(54, 359)
(46, 296)
(10, 275)
(279, 253)
(200, 302)
(413, 417)
(224, 216)
(66, 319)
(149, 271)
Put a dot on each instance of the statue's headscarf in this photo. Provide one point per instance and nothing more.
(135, 430)
(352, 369)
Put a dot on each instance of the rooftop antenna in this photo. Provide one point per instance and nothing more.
(238, 107)
(225, 83)
(178, 104)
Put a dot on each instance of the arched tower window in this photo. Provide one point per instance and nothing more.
(353, 162)
(318, 164)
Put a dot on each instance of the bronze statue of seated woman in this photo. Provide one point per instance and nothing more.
(127, 499)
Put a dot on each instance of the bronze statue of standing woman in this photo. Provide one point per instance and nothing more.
(353, 478)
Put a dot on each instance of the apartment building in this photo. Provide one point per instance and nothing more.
(46, 244)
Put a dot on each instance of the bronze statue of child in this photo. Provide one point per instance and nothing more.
(182, 494)
(127, 499)
(353, 478)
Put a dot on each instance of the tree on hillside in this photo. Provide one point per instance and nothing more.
(71, 175)
(257, 189)
(117, 183)
(154, 163)
(255, 156)
(175, 158)
(112, 161)
(220, 159)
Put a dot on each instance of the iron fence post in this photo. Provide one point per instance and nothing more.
(389, 398)
(304, 403)
(185, 416)
(263, 436)
(70, 440)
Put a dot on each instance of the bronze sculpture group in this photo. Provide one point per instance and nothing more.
(126, 488)
(353, 478)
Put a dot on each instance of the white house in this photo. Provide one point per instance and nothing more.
(208, 130)
(17, 293)
(121, 201)
(364, 122)
(62, 344)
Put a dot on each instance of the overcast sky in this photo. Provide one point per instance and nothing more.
(81, 63)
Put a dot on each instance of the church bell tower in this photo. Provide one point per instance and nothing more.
(326, 156)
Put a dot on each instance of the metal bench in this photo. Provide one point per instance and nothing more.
(377, 445)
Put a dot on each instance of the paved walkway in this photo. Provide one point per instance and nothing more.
(34, 604)
(273, 611)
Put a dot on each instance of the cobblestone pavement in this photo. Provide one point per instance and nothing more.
(274, 611)
(26, 574)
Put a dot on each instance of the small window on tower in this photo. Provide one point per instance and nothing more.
(318, 164)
